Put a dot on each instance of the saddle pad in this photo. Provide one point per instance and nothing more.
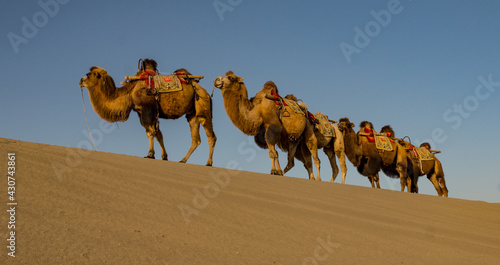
(382, 142)
(324, 126)
(293, 105)
(424, 153)
(167, 83)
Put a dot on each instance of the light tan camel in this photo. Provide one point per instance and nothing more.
(114, 104)
(331, 145)
(364, 155)
(262, 118)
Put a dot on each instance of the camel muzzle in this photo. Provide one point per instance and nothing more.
(81, 82)
(218, 82)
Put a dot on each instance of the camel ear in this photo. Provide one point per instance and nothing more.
(240, 80)
(353, 125)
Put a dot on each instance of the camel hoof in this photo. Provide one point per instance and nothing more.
(151, 157)
(277, 172)
(182, 161)
(208, 164)
(318, 179)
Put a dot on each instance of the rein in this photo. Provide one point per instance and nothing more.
(87, 120)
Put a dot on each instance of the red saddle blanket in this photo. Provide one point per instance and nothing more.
(150, 76)
(371, 135)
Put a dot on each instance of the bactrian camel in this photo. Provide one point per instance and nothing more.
(432, 168)
(261, 117)
(114, 104)
(368, 160)
(331, 145)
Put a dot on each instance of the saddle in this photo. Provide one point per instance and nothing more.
(282, 102)
(381, 140)
(162, 83)
(421, 153)
(324, 125)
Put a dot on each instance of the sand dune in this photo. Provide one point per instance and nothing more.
(84, 207)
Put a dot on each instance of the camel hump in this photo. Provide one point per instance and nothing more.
(182, 70)
(388, 131)
(270, 86)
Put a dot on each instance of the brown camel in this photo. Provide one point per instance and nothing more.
(261, 117)
(331, 145)
(432, 168)
(114, 104)
(364, 155)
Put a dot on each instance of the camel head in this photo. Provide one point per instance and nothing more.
(230, 81)
(97, 77)
(345, 124)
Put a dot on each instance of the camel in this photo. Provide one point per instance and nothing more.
(432, 168)
(331, 145)
(114, 104)
(368, 159)
(262, 118)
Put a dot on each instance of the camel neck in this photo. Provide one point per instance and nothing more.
(110, 103)
(242, 112)
(352, 147)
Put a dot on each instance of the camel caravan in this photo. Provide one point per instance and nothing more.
(272, 120)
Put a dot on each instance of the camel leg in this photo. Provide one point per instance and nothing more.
(273, 154)
(415, 187)
(432, 177)
(304, 155)
(203, 107)
(150, 123)
(405, 183)
(331, 156)
(312, 145)
(376, 178)
(371, 179)
(151, 138)
(194, 126)
(272, 135)
(159, 138)
(209, 130)
(343, 166)
(292, 149)
(442, 183)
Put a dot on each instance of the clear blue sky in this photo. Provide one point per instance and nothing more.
(419, 71)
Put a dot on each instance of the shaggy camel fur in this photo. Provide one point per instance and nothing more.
(368, 160)
(114, 104)
(262, 118)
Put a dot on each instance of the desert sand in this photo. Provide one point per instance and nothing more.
(76, 206)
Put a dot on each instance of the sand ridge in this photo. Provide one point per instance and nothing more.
(107, 208)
